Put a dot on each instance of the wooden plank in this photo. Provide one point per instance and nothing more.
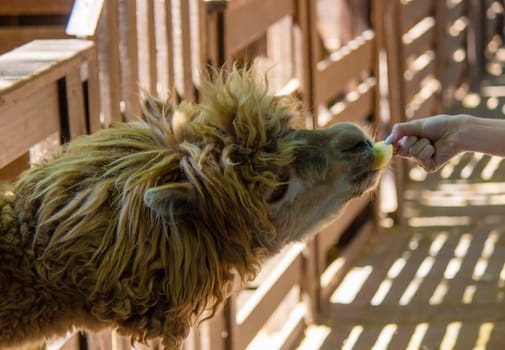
(75, 102)
(455, 12)
(12, 37)
(453, 74)
(427, 106)
(413, 11)
(84, 18)
(357, 106)
(25, 124)
(147, 47)
(169, 48)
(414, 77)
(252, 316)
(35, 7)
(128, 41)
(247, 20)
(350, 255)
(93, 93)
(344, 64)
(31, 66)
(425, 101)
(420, 38)
(108, 51)
(330, 235)
(12, 170)
(453, 43)
(187, 66)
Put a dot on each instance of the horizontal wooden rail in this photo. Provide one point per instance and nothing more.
(41, 86)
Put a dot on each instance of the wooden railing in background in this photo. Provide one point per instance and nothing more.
(46, 87)
(326, 52)
(23, 21)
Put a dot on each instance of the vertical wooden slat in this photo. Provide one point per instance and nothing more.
(93, 93)
(187, 74)
(169, 47)
(129, 58)
(76, 109)
(151, 44)
(107, 43)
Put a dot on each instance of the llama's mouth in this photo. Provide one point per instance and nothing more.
(365, 177)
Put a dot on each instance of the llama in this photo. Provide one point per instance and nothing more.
(144, 226)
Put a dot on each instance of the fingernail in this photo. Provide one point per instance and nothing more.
(389, 139)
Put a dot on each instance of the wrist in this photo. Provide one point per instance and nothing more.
(463, 125)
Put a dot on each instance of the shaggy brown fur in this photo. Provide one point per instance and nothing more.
(143, 226)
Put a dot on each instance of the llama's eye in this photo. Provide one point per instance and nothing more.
(359, 146)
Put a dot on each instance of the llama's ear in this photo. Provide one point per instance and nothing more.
(172, 199)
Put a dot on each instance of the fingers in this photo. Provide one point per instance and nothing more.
(400, 130)
(414, 147)
(405, 144)
(419, 149)
(423, 150)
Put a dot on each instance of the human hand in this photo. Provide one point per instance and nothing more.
(431, 141)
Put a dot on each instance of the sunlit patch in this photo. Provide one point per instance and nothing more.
(452, 268)
(457, 27)
(485, 331)
(351, 285)
(451, 335)
(413, 286)
(480, 269)
(329, 274)
(440, 221)
(492, 103)
(414, 241)
(438, 243)
(381, 292)
(471, 100)
(490, 244)
(385, 337)
(463, 245)
(490, 168)
(467, 171)
(397, 266)
(425, 267)
(418, 174)
(410, 292)
(353, 337)
(439, 293)
(495, 69)
(417, 338)
(502, 273)
(459, 55)
(315, 335)
(468, 294)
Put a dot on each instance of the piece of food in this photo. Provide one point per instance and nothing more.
(383, 154)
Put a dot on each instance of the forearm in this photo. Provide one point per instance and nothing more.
(482, 135)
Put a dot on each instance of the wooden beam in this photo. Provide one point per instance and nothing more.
(247, 20)
(357, 106)
(419, 38)
(35, 7)
(253, 315)
(346, 63)
(413, 11)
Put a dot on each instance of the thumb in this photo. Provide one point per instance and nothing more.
(411, 128)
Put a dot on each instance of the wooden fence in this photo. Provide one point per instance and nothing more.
(343, 59)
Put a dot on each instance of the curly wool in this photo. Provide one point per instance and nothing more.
(94, 253)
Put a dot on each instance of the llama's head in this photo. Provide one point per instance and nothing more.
(244, 166)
